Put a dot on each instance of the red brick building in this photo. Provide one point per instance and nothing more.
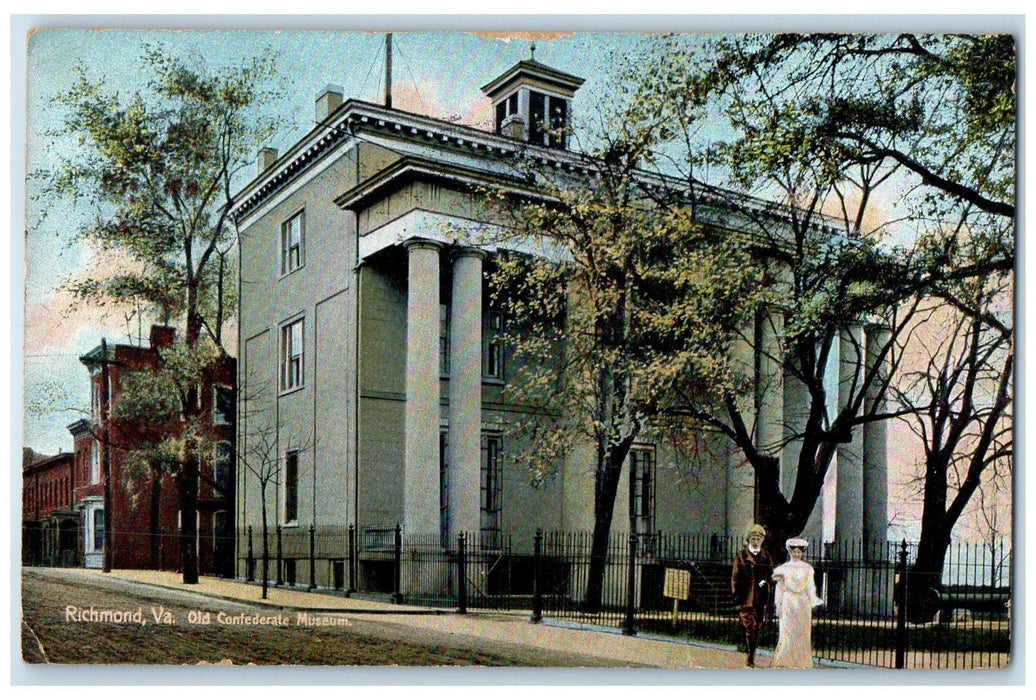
(50, 520)
(145, 502)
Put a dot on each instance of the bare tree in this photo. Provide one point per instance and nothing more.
(960, 398)
(261, 456)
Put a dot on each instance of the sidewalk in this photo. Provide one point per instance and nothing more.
(511, 628)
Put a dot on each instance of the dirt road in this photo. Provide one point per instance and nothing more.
(72, 622)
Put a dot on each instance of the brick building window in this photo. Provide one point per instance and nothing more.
(221, 467)
(222, 405)
(98, 530)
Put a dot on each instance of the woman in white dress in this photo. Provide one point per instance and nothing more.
(796, 596)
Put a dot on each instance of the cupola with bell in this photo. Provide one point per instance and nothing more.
(532, 102)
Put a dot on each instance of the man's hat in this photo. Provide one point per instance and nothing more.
(756, 529)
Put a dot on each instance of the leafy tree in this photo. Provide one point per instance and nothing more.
(158, 167)
(632, 307)
(864, 142)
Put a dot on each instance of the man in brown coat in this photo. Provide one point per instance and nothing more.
(750, 585)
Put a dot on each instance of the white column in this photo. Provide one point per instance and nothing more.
(421, 450)
(875, 447)
(849, 487)
(739, 486)
(466, 392)
(796, 411)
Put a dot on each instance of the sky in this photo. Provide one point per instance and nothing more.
(433, 73)
(437, 73)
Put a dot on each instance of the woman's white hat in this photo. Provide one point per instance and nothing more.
(796, 542)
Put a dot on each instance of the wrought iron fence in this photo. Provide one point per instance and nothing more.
(880, 607)
(132, 549)
(959, 617)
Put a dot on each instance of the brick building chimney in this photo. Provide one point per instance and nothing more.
(162, 337)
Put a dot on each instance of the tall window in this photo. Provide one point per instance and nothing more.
(221, 467)
(291, 355)
(444, 488)
(293, 241)
(491, 490)
(493, 351)
(642, 490)
(98, 529)
(444, 340)
(95, 463)
(222, 405)
(220, 533)
(291, 487)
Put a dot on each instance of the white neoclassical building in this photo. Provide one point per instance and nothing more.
(370, 367)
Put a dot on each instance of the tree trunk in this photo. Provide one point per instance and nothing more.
(925, 578)
(189, 480)
(189, 514)
(154, 520)
(604, 507)
(266, 543)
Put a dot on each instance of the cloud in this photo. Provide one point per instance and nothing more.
(425, 99)
(523, 36)
(54, 321)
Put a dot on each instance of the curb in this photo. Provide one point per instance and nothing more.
(281, 606)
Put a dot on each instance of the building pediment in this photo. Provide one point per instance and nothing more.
(409, 169)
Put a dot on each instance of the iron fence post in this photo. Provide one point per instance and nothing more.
(352, 560)
(537, 593)
(280, 577)
(901, 597)
(250, 562)
(397, 566)
(629, 626)
(462, 578)
(312, 558)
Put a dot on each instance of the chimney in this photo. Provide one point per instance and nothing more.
(265, 160)
(328, 101)
(162, 336)
(513, 127)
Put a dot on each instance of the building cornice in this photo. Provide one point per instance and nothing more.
(93, 358)
(355, 118)
(80, 427)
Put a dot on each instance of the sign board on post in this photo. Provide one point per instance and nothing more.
(677, 584)
(678, 587)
